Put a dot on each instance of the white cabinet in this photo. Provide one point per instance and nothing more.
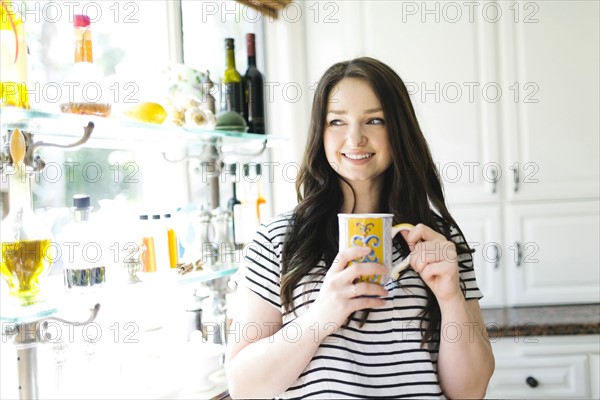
(595, 376)
(550, 121)
(547, 253)
(545, 367)
(447, 65)
(481, 226)
(507, 95)
(553, 254)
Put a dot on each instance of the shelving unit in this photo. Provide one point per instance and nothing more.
(62, 129)
(124, 131)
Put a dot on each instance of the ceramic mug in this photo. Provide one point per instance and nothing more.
(375, 231)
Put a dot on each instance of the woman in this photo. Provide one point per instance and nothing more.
(303, 326)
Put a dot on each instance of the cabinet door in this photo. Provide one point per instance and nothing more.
(550, 53)
(595, 376)
(553, 253)
(543, 367)
(481, 227)
(445, 54)
(548, 377)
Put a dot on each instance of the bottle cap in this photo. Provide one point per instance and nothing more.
(252, 168)
(208, 83)
(81, 201)
(229, 43)
(156, 216)
(144, 217)
(167, 215)
(250, 44)
(232, 168)
(81, 21)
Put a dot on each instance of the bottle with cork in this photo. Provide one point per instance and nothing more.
(86, 91)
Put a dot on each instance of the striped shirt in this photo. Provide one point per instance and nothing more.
(384, 358)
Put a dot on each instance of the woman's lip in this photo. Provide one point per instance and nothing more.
(358, 156)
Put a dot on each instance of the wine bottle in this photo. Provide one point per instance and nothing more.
(254, 107)
(232, 96)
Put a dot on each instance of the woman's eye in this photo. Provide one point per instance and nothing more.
(376, 121)
(335, 122)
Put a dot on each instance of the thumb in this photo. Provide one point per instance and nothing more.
(405, 235)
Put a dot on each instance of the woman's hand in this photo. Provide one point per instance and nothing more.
(340, 295)
(434, 258)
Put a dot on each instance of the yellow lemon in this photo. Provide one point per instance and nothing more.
(149, 112)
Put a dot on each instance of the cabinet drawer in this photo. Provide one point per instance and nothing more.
(540, 377)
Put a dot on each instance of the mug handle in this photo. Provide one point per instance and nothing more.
(405, 262)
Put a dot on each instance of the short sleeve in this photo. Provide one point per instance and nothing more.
(466, 267)
(260, 270)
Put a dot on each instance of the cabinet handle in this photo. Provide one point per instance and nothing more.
(519, 254)
(497, 256)
(532, 382)
(495, 180)
(516, 178)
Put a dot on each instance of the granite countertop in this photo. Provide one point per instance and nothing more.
(543, 320)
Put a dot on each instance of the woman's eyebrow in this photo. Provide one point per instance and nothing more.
(369, 111)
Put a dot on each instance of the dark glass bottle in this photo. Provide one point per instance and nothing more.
(254, 107)
(232, 95)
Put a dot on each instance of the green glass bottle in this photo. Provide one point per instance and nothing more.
(232, 95)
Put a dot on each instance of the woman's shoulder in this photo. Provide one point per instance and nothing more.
(276, 226)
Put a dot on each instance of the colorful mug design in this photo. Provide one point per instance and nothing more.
(374, 231)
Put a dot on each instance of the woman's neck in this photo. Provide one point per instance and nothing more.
(361, 197)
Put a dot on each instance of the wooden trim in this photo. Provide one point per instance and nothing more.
(266, 7)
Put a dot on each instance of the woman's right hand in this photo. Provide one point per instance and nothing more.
(341, 294)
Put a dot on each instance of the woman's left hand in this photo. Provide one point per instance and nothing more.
(434, 258)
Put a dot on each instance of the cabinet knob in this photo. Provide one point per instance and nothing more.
(532, 382)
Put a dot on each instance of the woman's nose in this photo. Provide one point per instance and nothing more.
(356, 136)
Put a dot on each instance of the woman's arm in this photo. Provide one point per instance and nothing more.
(261, 361)
(263, 358)
(465, 359)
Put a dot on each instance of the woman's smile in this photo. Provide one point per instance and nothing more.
(358, 156)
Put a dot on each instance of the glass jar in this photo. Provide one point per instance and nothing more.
(27, 249)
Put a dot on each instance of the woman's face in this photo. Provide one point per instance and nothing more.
(356, 138)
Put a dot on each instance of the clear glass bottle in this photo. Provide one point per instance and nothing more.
(83, 258)
(84, 75)
(13, 56)
(26, 241)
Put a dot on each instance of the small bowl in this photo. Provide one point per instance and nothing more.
(232, 128)
(231, 121)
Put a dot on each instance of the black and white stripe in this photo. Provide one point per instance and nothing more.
(382, 359)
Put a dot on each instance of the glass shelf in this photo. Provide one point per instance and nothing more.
(57, 125)
(56, 297)
(35, 312)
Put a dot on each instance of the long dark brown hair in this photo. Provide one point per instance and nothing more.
(412, 186)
